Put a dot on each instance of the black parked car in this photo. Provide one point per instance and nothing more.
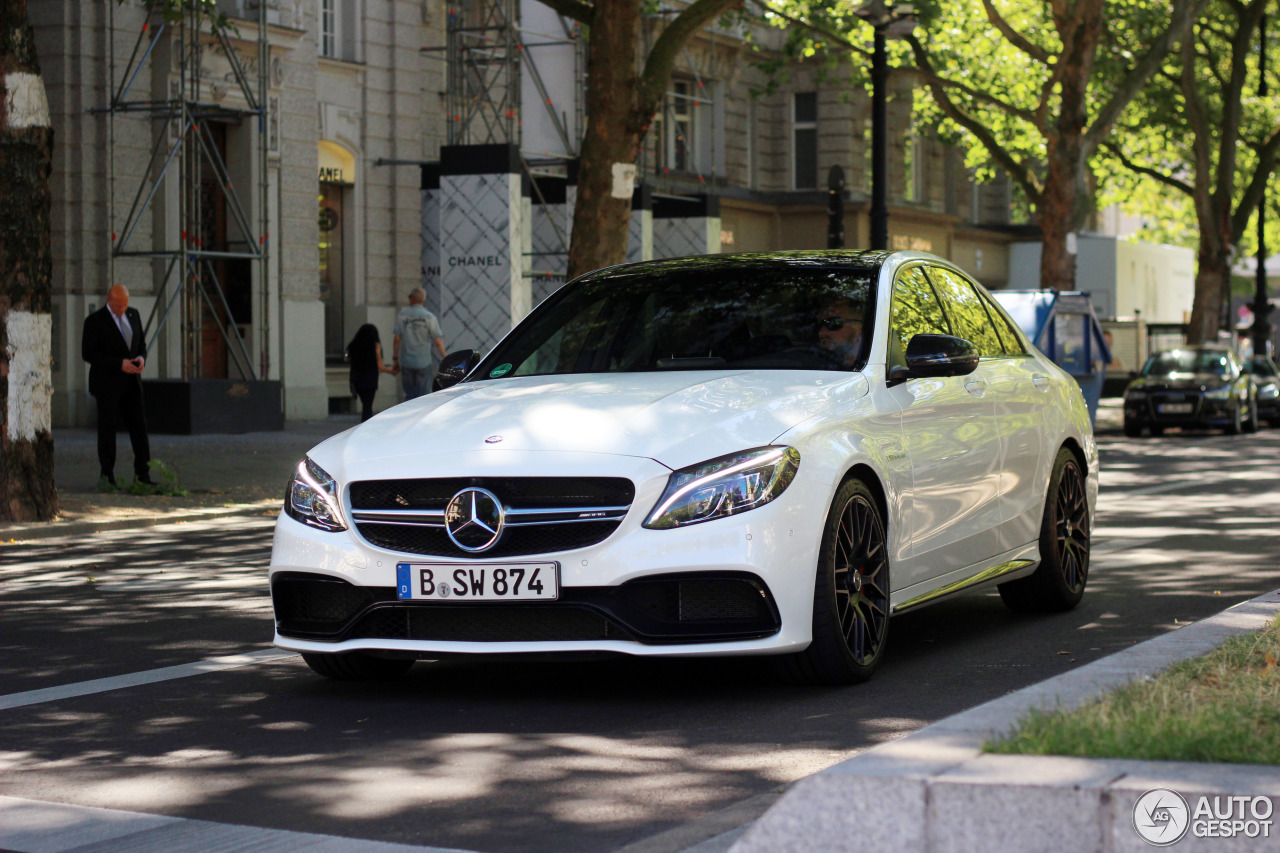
(1267, 377)
(1203, 386)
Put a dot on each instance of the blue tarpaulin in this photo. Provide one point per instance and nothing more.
(1063, 325)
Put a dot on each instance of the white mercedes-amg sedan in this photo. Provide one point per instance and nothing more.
(723, 455)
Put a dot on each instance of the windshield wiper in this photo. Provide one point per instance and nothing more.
(697, 362)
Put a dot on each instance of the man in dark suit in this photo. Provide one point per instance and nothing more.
(113, 345)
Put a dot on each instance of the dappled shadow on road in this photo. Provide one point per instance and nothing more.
(125, 601)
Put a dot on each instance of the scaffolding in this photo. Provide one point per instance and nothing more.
(213, 231)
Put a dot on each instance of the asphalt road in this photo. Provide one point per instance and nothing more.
(528, 757)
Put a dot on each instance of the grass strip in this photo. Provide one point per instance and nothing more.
(1223, 707)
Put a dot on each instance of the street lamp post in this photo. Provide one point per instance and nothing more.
(886, 19)
(1261, 302)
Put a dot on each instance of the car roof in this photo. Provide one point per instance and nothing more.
(870, 261)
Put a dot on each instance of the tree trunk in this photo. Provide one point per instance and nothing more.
(607, 170)
(27, 491)
(1213, 282)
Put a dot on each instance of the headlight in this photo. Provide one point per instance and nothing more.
(1268, 392)
(313, 498)
(725, 486)
(1218, 393)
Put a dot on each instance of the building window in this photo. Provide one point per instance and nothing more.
(686, 131)
(340, 28)
(804, 135)
(328, 28)
(913, 168)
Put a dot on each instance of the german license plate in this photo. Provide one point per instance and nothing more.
(1175, 408)
(478, 582)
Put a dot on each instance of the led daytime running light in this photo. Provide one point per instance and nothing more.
(329, 500)
(701, 482)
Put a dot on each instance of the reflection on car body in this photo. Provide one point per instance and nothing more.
(725, 455)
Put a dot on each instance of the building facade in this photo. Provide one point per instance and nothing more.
(395, 147)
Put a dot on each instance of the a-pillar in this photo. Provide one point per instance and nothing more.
(686, 225)
(483, 287)
(640, 230)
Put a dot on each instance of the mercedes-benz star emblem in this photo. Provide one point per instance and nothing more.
(473, 519)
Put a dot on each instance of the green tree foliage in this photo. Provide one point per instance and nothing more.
(1199, 145)
(1018, 82)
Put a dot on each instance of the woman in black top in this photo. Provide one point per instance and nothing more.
(365, 354)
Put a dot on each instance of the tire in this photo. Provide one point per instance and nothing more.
(1132, 429)
(851, 594)
(1252, 425)
(1156, 431)
(1236, 426)
(355, 666)
(1058, 584)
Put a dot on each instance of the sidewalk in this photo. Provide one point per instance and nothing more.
(935, 791)
(223, 474)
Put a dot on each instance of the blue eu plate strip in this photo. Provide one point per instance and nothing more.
(403, 589)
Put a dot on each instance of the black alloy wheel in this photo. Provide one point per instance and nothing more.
(356, 666)
(1058, 583)
(851, 593)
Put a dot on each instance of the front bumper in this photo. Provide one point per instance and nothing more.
(736, 585)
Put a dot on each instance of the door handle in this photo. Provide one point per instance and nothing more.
(1040, 381)
(976, 387)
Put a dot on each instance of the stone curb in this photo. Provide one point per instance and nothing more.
(88, 527)
(934, 791)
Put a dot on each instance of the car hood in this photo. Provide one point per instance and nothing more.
(1180, 382)
(675, 418)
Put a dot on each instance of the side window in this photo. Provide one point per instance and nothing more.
(965, 310)
(916, 310)
(1008, 333)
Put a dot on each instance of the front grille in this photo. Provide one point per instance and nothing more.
(697, 607)
(515, 542)
(523, 492)
(485, 624)
(542, 513)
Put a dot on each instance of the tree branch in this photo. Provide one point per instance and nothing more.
(1014, 37)
(1252, 196)
(1184, 12)
(1167, 180)
(662, 58)
(576, 9)
(814, 28)
(1018, 171)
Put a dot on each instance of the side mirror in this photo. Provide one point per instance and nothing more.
(453, 367)
(936, 355)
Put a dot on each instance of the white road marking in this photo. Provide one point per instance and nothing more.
(34, 826)
(135, 679)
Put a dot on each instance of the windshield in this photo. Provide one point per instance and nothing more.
(694, 316)
(1188, 361)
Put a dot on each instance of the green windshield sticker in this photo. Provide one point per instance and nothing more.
(500, 370)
